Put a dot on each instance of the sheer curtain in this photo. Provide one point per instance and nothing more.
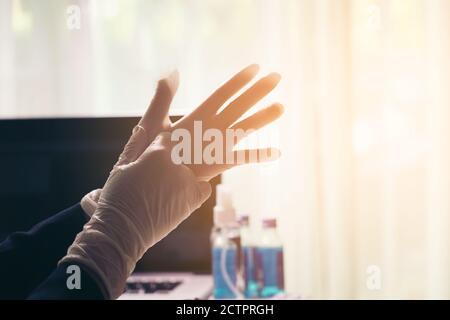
(363, 184)
(362, 190)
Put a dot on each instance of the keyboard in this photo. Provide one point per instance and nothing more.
(167, 286)
(151, 286)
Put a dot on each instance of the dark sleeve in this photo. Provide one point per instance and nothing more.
(28, 258)
(68, 284)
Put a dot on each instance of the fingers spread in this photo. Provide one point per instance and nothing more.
(225, 92)
(258, 120)
(248, 99)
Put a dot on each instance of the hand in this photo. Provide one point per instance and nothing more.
(156, 119)
(147, 195)
(214, 115)
(140, 204)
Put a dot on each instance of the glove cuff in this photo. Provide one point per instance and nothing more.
(89, 202)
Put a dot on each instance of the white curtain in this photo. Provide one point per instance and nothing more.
(362, 190)
(438, 160)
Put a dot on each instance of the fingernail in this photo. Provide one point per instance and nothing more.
(279, 108)
(173, 75)
(253, 68)
(274, 76)
(275, 154)
(172, 80)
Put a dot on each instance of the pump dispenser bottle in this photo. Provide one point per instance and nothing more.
(225, 242)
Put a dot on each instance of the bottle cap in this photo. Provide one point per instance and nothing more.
(244, 220)
(269, 223)
(224, 213)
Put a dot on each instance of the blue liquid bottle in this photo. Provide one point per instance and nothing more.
(225, 241)
(270, 264)
(248, 261)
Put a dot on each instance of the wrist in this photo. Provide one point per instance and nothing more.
(108, 252)
(89, 202)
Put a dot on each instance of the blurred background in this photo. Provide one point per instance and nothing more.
(362, 191)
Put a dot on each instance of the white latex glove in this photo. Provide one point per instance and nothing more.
(210, 113)
(147, 196)
(138, 141)
(89, 202)
(141, 202)
(154, 121)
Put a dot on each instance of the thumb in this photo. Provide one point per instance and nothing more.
(152, 122)
(155, 117)
(205, 190)
(135, 146)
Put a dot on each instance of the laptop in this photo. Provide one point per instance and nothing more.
(43, 155)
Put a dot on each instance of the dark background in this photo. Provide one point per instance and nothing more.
(48, 165)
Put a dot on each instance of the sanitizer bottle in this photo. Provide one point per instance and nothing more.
(225, 240)
(250, 283)
(270, 260)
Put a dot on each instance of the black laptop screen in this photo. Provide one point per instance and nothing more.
(49, 164)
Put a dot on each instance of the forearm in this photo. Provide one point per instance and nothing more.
(66, 283)
(27, 258)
